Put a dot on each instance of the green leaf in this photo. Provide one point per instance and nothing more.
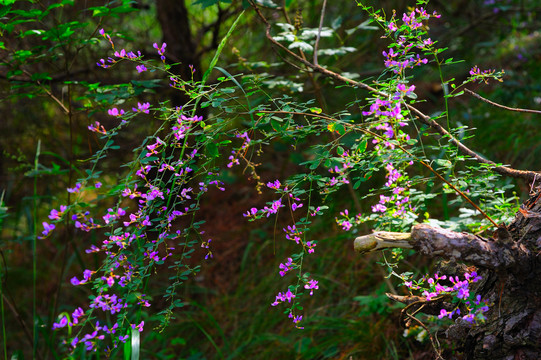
(212, 150)
(41, 76)
(362, 146)
(267, 3)
(5, 10)
(340, 129)
(328, 163)
(127, 350)
(208, 3)
(443, 163)
(276, 125)
(220, 48)
(343, 50)
(301, 45)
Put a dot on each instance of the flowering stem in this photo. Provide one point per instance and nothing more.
(438, 176)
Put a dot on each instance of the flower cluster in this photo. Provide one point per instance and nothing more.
(346, 222)
(127, 55)
(161, 50)
(158, 204)
(477, 74)
(473, 308)
(183, 125)
(97, 128)
(410, 36)
(120, 55)
(398, 203)
(293, 233)
(241, 151)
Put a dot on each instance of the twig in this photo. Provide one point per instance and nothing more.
(501, 106)
(503, 170)
(316, 45)
(435, 344)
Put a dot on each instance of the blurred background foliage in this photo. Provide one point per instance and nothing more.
(51, 90)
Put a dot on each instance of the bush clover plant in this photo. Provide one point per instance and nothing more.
(152, 223)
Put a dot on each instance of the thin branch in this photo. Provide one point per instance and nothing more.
(503, 170)
(435, 344)
(316, 45)
(50, 94)
(284, 10)
(501, 106)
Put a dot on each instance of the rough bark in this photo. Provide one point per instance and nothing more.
(509, 263)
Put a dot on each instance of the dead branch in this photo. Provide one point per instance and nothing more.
(488, 253)
(501, 106)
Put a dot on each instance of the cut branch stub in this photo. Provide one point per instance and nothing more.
(437, 242)
(381, 240)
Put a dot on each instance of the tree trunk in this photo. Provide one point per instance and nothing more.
(509, 263)
(181, 47)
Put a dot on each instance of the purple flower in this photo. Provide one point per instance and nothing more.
(429, 295)
(142, 107)
(87, 274)
(286, 267)
(274, 185)
(311, 245)
(75, 189)
(469, 318)
(295, 206)
(120, 54)
(123, 338)
(406, 91)
(115, 112)
(346, 225)
(289, 295)
(77, 314)
(161, 50)
(251, 212)
(283, 297)
(311, 285)
(55, 214)
(138, 327)
(47, 228)
(379, 208)
(63, 322)
(141, 68)
(443, 313)
(463, 293)
(102, 64)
